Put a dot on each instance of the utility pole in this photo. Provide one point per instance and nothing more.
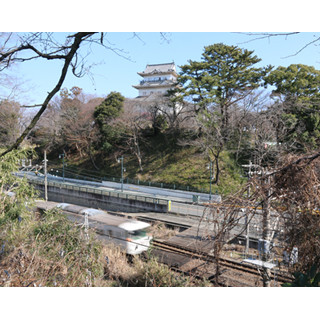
(122, 169)
(211, 176)
(246, 218)
(266, 231)
(62, 156)
(250, 165)
(45, 176)
(247, 235)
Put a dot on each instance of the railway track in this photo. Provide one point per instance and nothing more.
(231, 264)
(226, 263)
(168, 224)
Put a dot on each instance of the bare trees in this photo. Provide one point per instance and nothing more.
(10, 117)
(177, 113)
(224, 222)
(133, 121)
(290, 194)
(68, 124)
(78, 130)
(157, 114)
(296, 185)
(43, 46)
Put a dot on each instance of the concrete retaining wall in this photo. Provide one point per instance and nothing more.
(95, 198)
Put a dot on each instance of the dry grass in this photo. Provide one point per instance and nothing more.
(21, 268)
(160, 231)
(50, 251)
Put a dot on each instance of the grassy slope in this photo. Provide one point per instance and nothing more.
(163, 163)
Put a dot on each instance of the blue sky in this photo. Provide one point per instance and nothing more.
(111, 72)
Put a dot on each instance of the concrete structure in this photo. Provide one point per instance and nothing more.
(94, 198)
(157, 79)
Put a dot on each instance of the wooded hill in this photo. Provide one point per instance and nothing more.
(222, 111)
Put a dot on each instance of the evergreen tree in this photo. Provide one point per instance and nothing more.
(297, 88)
(104, 114)
(225, 76)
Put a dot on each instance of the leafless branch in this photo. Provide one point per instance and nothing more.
(77, 39)
(307, 45)
(268, 35)
(33, 106)
(265, 35)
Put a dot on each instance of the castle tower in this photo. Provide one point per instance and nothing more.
(157, 79)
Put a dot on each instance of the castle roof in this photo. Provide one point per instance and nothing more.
(159, 68)
(155, 84)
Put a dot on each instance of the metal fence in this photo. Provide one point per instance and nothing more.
(69, 173)
(73, 175)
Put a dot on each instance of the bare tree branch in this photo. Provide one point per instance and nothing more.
(78, 38)
(265, 35)
(268, 35)
(307, 45)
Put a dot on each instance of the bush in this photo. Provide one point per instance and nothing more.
(49, 250)
(52, 250)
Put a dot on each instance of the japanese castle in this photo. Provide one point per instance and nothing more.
(157, 79)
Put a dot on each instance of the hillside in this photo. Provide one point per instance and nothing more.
(163, 165)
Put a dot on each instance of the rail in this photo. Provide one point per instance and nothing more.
(224, 262)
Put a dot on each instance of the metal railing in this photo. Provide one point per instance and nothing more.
(73, 175)
(69, 173)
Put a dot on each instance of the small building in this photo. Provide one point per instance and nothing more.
(157, 79)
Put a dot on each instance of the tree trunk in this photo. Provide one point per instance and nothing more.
(91, 157)
(217, 251)
(216, 180)
(137, 151)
